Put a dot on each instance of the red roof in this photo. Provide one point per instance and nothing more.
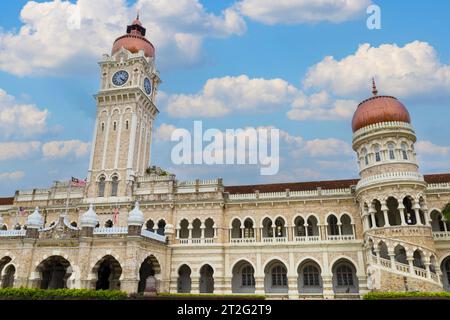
(6, 201)
(324, 185)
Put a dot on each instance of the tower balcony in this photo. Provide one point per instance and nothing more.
(390, 177)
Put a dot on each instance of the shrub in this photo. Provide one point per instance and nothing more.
(59, 294)
(405, 295)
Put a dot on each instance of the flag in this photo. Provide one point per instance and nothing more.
(77, 182)
(116, 215)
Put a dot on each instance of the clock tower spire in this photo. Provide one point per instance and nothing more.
(126, 110)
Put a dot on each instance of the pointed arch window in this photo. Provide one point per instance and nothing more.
(366, 156)
(377, 151)
(101, 187)
(391, 149)
(114, 186)
(404, 151)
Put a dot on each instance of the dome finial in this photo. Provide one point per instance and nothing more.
(374, 87)
(137, 17)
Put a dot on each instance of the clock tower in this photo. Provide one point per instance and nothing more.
(126, 109)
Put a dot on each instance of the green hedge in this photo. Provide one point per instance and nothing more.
(406, 295)
(200, 296)
(60, 294)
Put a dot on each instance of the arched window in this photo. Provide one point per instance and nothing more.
(347, 228)
(184, 229)
(344, 274)
(4, 228)
(391, 149)
(236, 229)
(404, 151)
(17, 226)
(103, 126)
(115, 126)
(101, 187)
(311, 276)
(446, 273)
(114, 186)
(279, 276)
(150, 225)
(333, 227)
(300, 227)
(279, 228)
(377, 151)
(366, 156)
(126, 125)
(74, 224)
(108, 224)
(248, 277)
(161, 227)
(267, 228)
(249, 232)
(209, 228)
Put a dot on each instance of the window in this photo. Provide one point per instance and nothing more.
(4, 228)
(101, 187)
(366, 157)
(126, 125)
(115, 186)
(161, 227)
(108, 224)
(248, 279)
(311, 276)
(391, 148)
(404, 151)
(115, 126)
(103, 126)
(74, 224)
(447, 270)
(279, 278)
(333, 227)
(344, 275)
(377, 154)
(248, 229)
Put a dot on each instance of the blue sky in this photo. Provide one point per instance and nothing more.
(51, 74)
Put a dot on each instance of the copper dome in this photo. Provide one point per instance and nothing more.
(379, 109)
(134, 40)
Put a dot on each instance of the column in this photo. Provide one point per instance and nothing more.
(427, 268)
(425, 215)
(306, 230)
(385, 209)
(377, 253)
(195, 284)
(392, 258)
(292, 286)
(259, 285)
(416, 208)
(372, 217)
(190, 232)
(401, 209)
(202, 230)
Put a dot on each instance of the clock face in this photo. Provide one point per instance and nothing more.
(120, 78)
(147, 86)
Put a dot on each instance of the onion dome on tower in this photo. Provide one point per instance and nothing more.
(35, 220)
(134, 40)
(379, 109)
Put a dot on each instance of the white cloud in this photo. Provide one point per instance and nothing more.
(164, 132)
(18, 150)
(320, 106)
(20, 120)
(429, 148)
(327, 147)
(50, 41)
(64, 149)
(220, 96)
(413, 69)
(301, 11)
(12, 176)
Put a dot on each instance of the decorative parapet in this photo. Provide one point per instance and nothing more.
(439, 187)
(110, 231)
(292, 194)
(395, 125)
(389, 177)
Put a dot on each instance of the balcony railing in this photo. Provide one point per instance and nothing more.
(243, 240)
(342, 237)
(275, 240)
(113, 230)
(307, 239)
(13, 233)
(197, 241)
(442, 235)
(153, 235)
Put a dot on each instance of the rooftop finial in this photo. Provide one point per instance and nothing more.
(374, 87)
(137, 17)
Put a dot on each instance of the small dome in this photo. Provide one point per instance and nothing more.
(379, 109)
(35, 220)
(136, 217)
(134, 40)
(89, 218)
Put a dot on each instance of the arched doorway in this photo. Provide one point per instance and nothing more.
(54, 272)
(184, 279)
(8, 278)
(206, 279)
(108, 271)
(243, 280)
(150, 268)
